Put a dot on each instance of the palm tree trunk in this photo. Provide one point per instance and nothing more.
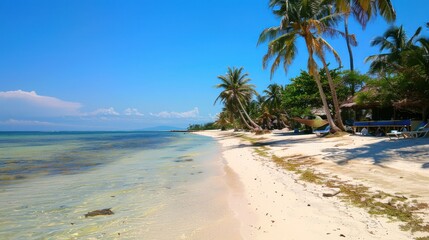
(425, 113)
(325, 103)
(349, 47)
(256, 126)
(312, 69)
(334, 96)
(244, 120)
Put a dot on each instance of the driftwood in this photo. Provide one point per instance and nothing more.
(105, 211)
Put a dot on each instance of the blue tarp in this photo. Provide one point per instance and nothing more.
(398, 123)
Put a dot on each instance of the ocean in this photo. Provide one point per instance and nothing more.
(159, 185)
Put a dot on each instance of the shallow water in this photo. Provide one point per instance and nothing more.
(160, 185)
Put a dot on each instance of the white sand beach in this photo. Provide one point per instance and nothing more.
(272, 202)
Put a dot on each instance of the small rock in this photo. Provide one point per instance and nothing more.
(184, 160)
(342, 235)
(308, 205)
(105, 211)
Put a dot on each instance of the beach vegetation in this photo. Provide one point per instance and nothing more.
(398, 77)
(402, 67)
(262, 151)
(309, 176)
(237, 93)
(301, 96)
(273, 106)
(309, 21)
(422, 238)
(285, 164)
(204, 126)
(393, 206)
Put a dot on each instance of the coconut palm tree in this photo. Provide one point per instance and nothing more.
(265, 118)
(236, 93)
(406, 59)
(308, 20)
(224, 119)
(362, 11)
(394, 43)
(273, 96)
(273, 100)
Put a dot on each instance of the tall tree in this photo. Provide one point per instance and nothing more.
(236, 93)
(403, 67)
(394, 43)
(301, 95)
(273, 101)
(362, 11)
(309, 20)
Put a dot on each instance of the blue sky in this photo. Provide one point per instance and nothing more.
(123, 65)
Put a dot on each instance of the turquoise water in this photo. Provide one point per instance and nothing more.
(159, 185)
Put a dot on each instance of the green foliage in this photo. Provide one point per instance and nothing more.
(237, 93)
(403, 68)
(205, 126)
(382, 91)
(354, 80)
(302, 94)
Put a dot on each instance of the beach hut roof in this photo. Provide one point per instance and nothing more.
(351, 101)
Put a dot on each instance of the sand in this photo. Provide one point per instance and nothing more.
(273, 203)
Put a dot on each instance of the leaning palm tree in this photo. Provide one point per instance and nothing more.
(236, 92)
(308, 20)
(362, 11)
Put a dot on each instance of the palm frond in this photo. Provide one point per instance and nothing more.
(386, 10)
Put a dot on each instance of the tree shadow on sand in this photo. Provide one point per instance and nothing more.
(271, 143)
(412, 150)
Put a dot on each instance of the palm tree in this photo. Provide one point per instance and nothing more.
(237, 91)
(273, 100)
(362, 11)
(408, 60)
(273, 96)
(395, 43)
(224, 119)
(308, 20)
(265, 118)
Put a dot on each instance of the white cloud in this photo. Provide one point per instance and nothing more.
(104, 112)
(188, 114)
(26, 123)
(30, 104)
(132, 112)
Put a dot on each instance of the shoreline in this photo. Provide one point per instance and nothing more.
(278, 204)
